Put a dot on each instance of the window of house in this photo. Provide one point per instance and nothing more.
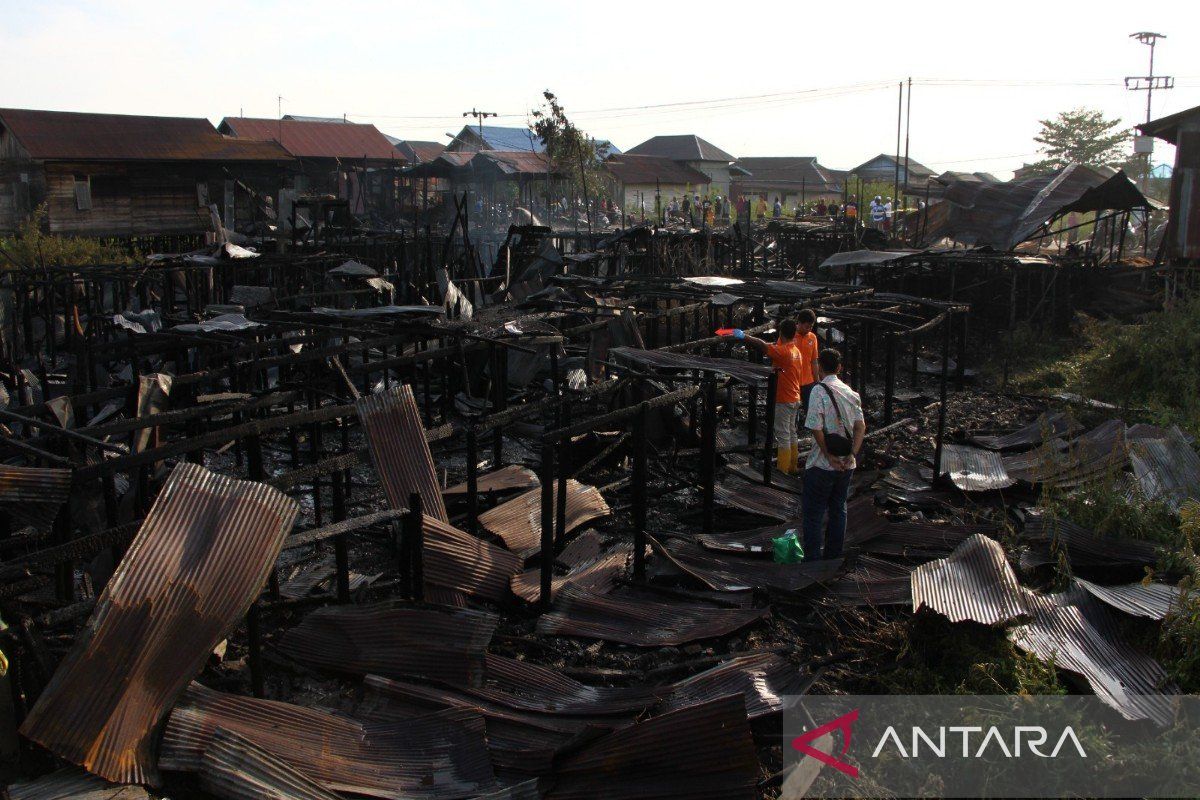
(83, 192)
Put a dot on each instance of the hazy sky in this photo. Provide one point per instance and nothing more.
(757, 79)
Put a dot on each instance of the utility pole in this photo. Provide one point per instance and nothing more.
(480, 116)
(1144, 145)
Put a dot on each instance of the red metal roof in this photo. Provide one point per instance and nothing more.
(635, 169)
(345, 140)
(68, 135)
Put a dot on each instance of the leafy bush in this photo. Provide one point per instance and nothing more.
(33, 247)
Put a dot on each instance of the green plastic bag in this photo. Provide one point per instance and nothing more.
(788, 549)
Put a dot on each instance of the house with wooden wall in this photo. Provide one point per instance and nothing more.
(348, 160)
(125, 175)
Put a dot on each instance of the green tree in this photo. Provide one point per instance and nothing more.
(573, 154)
(1081, 136)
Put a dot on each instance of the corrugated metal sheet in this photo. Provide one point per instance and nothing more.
(974, 583)
(753, 498)
(647, 170)
(235, 768)
(872, 582)
(392, 640)
(762, 680)
(531, 687)
(348, 141)
(640, 619)
(519, 521)
(1167, 469)
(1151, 600)
(1099, 451)
(199, 560)
(505, 479)
(702, 752)
(528, 790)
(399, 449)
(738, 573)
(974, 470)
(1046, 427)
(863, 523)
(457, 561)
(34, 485)
(519, 741)
(437, 756)
(586, 568)
(1078, 634)
(739, 369)
(73, 136)
(72, 784)
(1047, 537)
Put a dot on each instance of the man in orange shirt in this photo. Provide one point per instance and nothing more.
(793, 371)
(806, 340)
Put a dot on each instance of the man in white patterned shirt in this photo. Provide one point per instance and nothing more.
(834, 410)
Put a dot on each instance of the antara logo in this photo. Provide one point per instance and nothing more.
(1023, 738)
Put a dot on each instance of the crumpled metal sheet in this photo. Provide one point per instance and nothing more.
(222, 322)
(1048, 537)
(975, 582)
(640, 619)
(586, 567)
(667, 756)
(436, 756)
(872, 582)
(33, 495)
(1066, 465)
(235, 768)
(1077, 633)
(72, 783)
(1167, 469)
(393, 640)
(974, 470)
(762, 680)
(198, 561)
(1151, 600)
(456, 561)
(765, 501)
(863, 523)
(739, 573)
(396, 439)
(506, 479)
(519, 521)
(1045, 428)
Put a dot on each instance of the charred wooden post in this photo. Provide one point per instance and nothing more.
(889, 390)
(638, 490)
(564, 472)
(947, 325)
(341, 553)
(708, 451)
(499, 400)
(547, 565)
(472, 479)
(254, 658)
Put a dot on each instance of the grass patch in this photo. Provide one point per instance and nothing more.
(32, 247)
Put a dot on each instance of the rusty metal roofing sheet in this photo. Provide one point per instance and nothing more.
(1099, 451)
(974, 470)
(72, 783)
(235, 768)
(728, 572)
(765, 501)
(739, 369)
(1151, 600)
(349, 141)
(399, 449)
(872, 582)
(586, 567)
(505, 479)
(1167, 469)
(520, 741)
(762, 680)
(198, 561)
(700, 752)
(34, 485)
(392, 640)
(1047, 426)
(634, 618)
(530, 687)
(519, 521)
(974, 582)
(437, 756)
(73, 136)
(1049, 536)
(455, 560)
(1077, 633)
